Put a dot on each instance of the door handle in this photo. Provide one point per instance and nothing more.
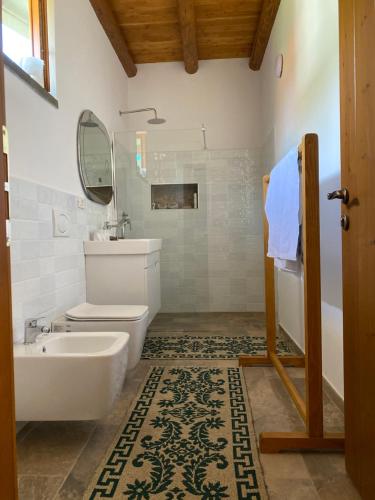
(344, 222)
(339, 194)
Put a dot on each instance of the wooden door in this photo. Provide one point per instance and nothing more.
(8, 477)
(357, 61)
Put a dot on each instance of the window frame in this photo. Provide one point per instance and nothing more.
(39, 36)
(38, 21)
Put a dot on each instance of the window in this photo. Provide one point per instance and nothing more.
(25, 37)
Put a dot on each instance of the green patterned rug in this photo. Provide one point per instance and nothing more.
(217, 347)
(188, 435)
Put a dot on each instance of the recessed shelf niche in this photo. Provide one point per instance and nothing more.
(174, 196)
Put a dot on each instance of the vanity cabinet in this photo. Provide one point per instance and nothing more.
(118, 273)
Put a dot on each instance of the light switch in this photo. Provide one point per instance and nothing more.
(61, 223)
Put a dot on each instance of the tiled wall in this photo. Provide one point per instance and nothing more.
(47, 272)
(212, 257)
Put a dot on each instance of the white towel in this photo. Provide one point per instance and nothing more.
(282, 208)
(289, 266)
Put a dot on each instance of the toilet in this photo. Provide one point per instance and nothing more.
(111, 318)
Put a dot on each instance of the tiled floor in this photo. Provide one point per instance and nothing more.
(57, 459)
(230, 324)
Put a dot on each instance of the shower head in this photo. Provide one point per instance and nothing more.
(156, 121)
(153, 121)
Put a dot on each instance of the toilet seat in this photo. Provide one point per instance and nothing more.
(91, 312)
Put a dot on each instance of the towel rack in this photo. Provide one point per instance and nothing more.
(310, 408)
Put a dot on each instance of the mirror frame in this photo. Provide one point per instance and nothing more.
(104, 130)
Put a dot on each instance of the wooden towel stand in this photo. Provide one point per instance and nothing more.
(310, 409)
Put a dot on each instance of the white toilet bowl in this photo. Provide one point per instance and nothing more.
(93, 318)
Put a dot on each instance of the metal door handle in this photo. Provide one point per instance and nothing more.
(344, 221)
(339, 194)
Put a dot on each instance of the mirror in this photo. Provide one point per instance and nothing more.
(95, 158)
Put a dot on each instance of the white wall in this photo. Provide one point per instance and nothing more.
(47, 272)
(223, 94)
(89, 75)
(306, 99)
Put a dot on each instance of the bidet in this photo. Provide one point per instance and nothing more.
(69, 376)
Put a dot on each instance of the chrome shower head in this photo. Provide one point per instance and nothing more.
(156, 121)
(153, 121)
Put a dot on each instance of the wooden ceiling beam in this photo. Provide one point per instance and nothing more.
(186, 15)
(266, 22)
(107, 19)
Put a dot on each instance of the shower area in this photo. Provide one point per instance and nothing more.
(206, 206)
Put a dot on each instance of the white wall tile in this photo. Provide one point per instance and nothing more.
(47, 266)
(25, 270)
(46, 248)
(206, 252)
(66, 278)
(30, 249)
(47, 273)
(25, 230)
(39, 306)
(44, 212)
(24, 209)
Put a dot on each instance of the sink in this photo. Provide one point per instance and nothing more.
(123, 247)
(69, 376)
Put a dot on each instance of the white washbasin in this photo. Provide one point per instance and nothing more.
(69, 376)
(123, 247)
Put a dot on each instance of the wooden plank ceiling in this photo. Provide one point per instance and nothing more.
(150, 31)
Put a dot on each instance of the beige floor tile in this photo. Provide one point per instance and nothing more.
(292, 489)
(338, 487)
(285, 466)
(38, 487)
(87, 463)
(329, 476)
(52, 448)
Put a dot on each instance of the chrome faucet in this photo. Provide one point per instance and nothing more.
(32, 330)
(120, 225)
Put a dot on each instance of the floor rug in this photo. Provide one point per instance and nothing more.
(210, 347)
(188, 434)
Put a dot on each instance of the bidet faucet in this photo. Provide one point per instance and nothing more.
(32, 330)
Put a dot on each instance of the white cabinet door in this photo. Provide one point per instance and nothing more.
(153, 287)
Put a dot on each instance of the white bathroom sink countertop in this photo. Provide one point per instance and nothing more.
(123, 247)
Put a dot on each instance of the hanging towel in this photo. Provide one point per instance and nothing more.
(289, 266)
(282, 208)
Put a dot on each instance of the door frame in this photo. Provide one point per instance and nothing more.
(8, 466)
(357, 78)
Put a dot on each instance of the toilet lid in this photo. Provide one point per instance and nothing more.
(87, 312)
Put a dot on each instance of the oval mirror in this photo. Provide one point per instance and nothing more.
(94, 158)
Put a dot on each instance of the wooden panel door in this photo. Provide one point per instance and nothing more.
(357, 61)
(8, 477)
